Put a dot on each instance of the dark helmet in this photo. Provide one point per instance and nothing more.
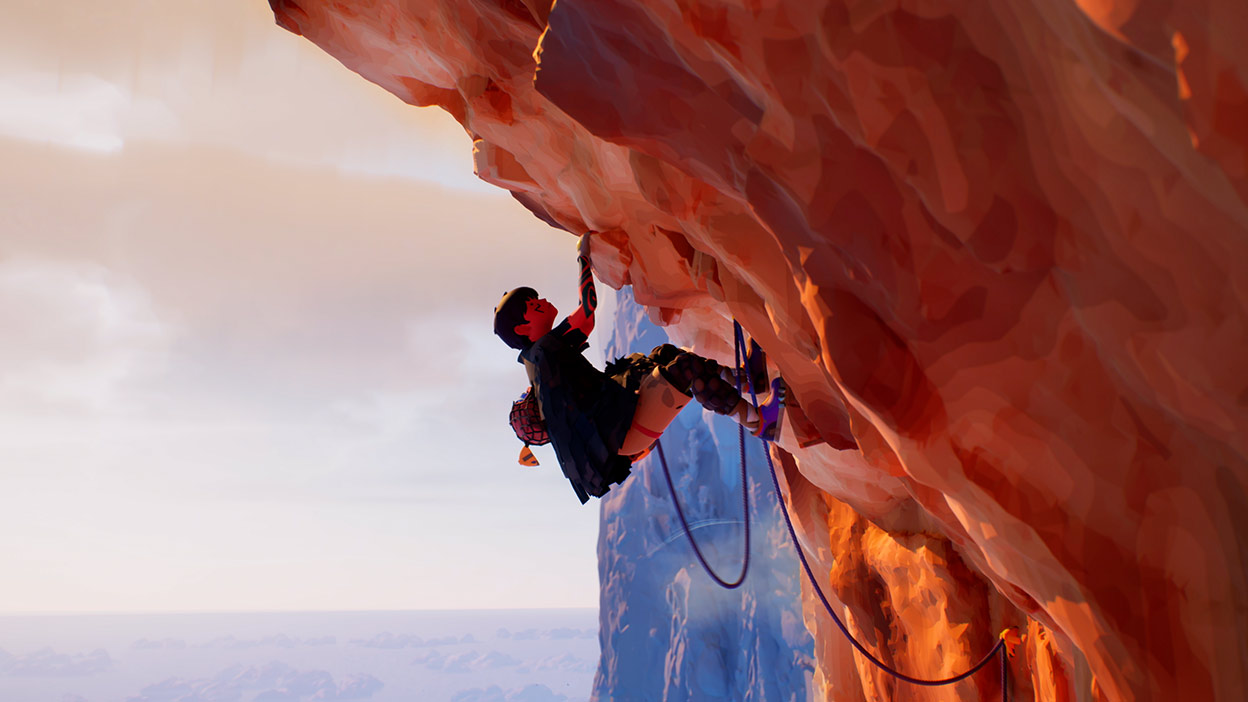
(509, 314)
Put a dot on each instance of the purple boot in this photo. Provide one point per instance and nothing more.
(771, 413)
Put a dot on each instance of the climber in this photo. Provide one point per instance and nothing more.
(600, 422)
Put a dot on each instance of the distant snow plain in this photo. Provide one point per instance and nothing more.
(436, 656)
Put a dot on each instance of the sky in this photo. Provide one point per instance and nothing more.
(246, 355)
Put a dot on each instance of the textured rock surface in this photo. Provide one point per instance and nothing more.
(668, 632)
(999, 251)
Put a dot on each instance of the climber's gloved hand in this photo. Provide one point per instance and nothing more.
(582, 245)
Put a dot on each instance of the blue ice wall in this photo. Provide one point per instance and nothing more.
(667, 631)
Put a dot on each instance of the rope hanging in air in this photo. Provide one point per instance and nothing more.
(739, 350)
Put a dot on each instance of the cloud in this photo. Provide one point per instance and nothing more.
(564, 633)
(467, 662)
(493, 693)
(270, 674)
(47, 663)
(388, 640)
(557, 634)
(81, 112)
(235, 644)
(276, 696)
(99, 81)
(273, 641)
(161, 645)
(565, 663)
(85, 332)
(354, 687)
(290, 285)
(277, 682)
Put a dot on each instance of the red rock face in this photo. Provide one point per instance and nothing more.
(998, 250)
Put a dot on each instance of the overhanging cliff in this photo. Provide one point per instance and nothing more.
(999, 251)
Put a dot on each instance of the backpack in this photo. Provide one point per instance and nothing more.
(526, 420)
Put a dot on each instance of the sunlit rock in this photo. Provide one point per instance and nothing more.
(998, 250)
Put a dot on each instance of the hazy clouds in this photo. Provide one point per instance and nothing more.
(102, 76)
(245, 301)
(272, 682)
(494, 693)
(83, 331)
(304, 656)
(47, 663)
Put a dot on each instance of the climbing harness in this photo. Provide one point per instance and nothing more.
(998, 649)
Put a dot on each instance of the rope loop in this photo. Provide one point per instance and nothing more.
(739, 351)
(845, 630)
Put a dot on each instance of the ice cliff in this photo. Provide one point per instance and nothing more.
(999, 251)
(667, 631)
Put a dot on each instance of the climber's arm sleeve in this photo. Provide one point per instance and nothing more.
(583, 317)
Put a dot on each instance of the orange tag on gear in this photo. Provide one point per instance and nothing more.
(1012, 640)
(527, 458)
(645, 452)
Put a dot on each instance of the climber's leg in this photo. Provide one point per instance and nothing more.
(699, 377)
(692, 376)
(678, 377)
(735, 378)
(658, 403)
(704, 379)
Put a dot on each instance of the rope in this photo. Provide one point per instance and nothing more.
(745, 561)
(775, 481)
(739, 345)
(1005, 677)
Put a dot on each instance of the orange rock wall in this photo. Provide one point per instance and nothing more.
(999, 250)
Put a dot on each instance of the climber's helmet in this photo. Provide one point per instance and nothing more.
(522, 317)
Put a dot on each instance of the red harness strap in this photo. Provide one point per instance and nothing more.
(647, 432)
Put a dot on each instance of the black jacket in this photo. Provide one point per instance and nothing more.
(587, 412)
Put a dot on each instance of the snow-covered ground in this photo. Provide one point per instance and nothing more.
(475, 656)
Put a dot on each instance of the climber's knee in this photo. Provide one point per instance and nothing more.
(681, 369)
(658, 403)
(664, 354)
(717, 395)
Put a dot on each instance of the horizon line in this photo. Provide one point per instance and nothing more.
(128, 613)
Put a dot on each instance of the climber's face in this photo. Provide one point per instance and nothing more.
(539, 318)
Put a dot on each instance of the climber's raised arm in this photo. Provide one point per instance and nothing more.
(583, 317)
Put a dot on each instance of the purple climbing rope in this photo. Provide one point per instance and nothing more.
(845, 630)
(739, 350)
(1005, 677)
(739, 343)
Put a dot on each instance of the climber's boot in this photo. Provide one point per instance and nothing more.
(771, 413)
